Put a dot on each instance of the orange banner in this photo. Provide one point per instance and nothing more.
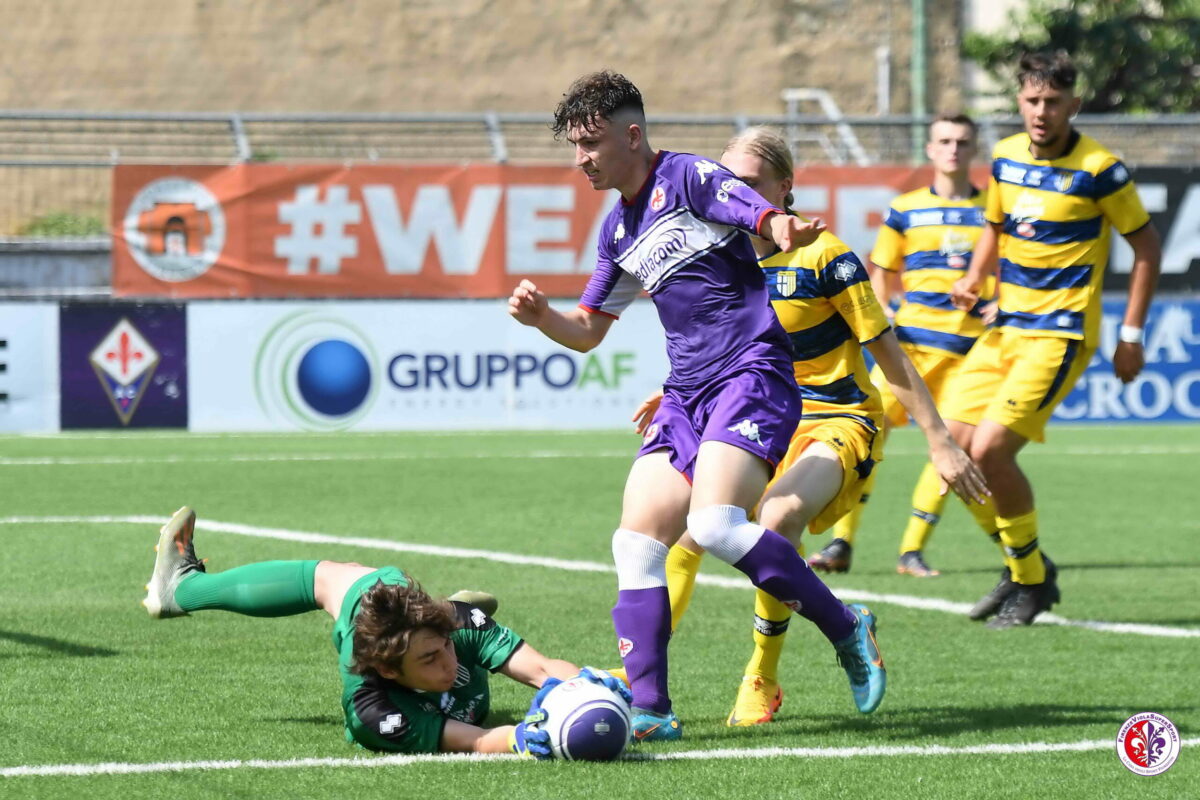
(280, 230)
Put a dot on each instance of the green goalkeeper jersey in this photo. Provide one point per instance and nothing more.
(382, 715)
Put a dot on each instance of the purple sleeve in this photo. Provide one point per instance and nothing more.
(611, 289)
(717, 195)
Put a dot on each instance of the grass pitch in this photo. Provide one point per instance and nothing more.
(88, 679)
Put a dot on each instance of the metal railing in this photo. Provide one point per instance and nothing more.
(54, 164)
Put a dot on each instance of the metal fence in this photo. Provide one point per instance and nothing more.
(54, 166)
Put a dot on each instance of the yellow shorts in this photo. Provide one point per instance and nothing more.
(859, 450)
(936, 368)
(1016, 380)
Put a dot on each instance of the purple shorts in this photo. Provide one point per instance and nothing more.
(756, 409)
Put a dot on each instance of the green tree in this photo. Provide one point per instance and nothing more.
(1133, 56)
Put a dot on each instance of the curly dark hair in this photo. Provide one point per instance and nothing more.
(388, 616)
(593, 97)
(1047, 69)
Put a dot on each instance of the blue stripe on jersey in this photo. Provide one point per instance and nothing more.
(939, 300)
(1051, 179)
(864, 421)
(1063, 321)
(951, 342)
(807, 284)
(1049, 232)
(895, 220)
(842, 273)
(948, 215)
(842, 392)
(1111, 180)
(929, 259)
(811, 342)
(1061, 375)
(1047, 278)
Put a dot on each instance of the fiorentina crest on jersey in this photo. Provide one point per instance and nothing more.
(124, 362)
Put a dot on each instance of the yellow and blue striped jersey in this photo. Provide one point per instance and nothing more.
(931, 239)
(824, 300)
(1056, 216)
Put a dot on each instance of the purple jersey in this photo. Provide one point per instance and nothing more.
(681, 239)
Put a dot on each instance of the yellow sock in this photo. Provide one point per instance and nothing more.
(984, 514)
(771, 619)
(1019, 535)
(927, 504)
(847, 527)
(682, 566)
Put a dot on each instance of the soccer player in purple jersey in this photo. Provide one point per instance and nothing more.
(730, 403)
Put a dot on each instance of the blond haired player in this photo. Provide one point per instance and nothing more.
(926, 242)
(1053, 199)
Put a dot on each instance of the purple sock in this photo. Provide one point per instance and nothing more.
(642, 618)
(774, 566)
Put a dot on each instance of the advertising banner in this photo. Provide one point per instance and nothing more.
(123, 365)
(285, 231)
(409, 365)
(1168, 389)
(28, 367)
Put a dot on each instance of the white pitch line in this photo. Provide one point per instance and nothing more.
(851, 595)
(724, 754)
(627, 453)
(87, 461)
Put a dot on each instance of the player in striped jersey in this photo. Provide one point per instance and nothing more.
(925, 241)
(1053, 198)
(823, 298)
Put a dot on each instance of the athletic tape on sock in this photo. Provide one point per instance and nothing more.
(724, 531)
(641, 561)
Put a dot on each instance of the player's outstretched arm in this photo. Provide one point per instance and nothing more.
(459, 737)
(956, 468)
(790, 232)
(984, 260)
(577, 329)
(531, 668)
(1129, 357)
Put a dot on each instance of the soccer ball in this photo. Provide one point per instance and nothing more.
(586, 721)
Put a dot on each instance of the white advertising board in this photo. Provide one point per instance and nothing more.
(29, 399)
(409, 365)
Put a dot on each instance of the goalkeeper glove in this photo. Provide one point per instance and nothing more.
(608, 681)
(527, 739)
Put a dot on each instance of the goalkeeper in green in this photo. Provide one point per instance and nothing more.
(414, 669)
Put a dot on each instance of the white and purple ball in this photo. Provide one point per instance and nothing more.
(586, 721)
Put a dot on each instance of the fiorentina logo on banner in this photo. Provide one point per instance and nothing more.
(123, 365)
(124, 362)
(1148, 743)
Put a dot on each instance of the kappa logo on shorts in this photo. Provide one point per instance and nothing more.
(748, 429)
(624, 646)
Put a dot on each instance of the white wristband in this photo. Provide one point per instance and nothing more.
(1130, 334)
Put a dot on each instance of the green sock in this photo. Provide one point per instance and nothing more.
(264, 589)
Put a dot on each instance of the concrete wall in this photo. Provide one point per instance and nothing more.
(688, 56)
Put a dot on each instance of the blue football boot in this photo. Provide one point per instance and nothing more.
(859, 656)
(651, 727)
